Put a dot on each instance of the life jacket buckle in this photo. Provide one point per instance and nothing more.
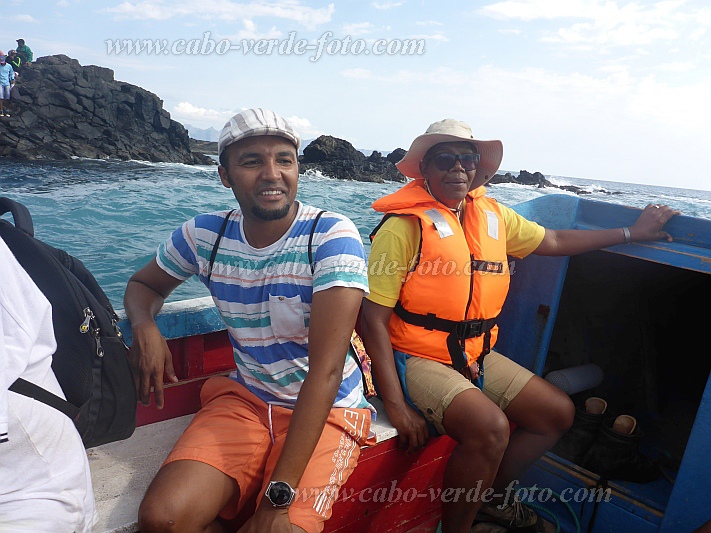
(469, 328)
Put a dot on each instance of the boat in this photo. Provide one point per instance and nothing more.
(638, 311)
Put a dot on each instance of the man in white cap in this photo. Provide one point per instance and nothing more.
(429, 322)
(285, 429)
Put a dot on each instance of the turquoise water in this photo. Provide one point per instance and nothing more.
(113, 214)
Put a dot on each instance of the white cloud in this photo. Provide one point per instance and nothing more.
(428, 23)
(223, 10)
(186, 112)
(27, 19)
(605, 23)
(386, 5)
(250, 32)
(510, 30)
(358, 28)
(540, 97)
(304, 127)
(433, 37)
(678, 66)
(359, 73)
(539, 9)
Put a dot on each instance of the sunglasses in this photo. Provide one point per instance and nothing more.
(445, 161)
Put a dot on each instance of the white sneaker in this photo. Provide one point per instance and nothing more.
(2, 113)
(7, 114)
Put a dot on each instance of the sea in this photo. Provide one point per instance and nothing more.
(113, 214)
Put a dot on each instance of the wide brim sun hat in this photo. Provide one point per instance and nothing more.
(451, 130)
(254, 123)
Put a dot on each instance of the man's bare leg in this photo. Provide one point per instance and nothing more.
(186, 496)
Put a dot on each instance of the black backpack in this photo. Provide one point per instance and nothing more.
(91, 362)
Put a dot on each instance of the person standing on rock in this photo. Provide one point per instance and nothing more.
(24, 52)
(7, 80)
(429, 322)
(14, 60)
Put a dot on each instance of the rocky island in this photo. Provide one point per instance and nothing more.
(68, 110)
(337, 158)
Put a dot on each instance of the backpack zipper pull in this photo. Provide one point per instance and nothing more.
(99, 348)
(119, 333)
(88, 316)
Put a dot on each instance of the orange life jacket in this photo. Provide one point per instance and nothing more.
(460, 281)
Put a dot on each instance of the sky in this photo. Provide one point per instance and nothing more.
(598, 89)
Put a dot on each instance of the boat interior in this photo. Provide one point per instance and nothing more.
(637, 311)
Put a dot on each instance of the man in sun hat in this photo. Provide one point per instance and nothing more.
(295, 403)
(7, 80)
(429, 322)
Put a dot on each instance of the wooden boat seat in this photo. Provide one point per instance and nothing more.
(121, 471)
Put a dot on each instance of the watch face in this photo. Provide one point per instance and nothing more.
(279, 493)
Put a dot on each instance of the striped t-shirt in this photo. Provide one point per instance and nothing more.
(264, 294)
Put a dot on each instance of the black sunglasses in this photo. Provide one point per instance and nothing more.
(445, 161)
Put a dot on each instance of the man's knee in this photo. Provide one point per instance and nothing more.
(160, 515)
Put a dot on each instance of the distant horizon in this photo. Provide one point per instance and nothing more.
(306, 142)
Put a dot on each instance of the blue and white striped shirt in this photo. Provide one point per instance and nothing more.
(264, 294)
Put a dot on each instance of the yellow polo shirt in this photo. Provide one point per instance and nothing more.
(396, 244)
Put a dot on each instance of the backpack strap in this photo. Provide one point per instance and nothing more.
(213, 255)
(29, 389)
(20, 214)
(311, 240)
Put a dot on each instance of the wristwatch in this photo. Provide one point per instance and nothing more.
(280, 493)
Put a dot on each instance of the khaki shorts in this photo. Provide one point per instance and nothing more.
(242, 436)
(432, 385)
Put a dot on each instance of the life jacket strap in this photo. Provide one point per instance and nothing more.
(459, 331)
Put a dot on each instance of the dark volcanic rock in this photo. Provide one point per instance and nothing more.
(338, 158)
(538, 180)
(524, 178)
(203, 147)
(396, 155)
(69, 110)
(327, 148)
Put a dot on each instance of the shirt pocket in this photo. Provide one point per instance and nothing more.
(287, 317)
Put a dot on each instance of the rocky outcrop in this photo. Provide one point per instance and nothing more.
(524, 178)
(69, 110)
(203, 147)
(539, 180)
(338, 158)
(396, 155)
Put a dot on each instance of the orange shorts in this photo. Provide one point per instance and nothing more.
(240, 435)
